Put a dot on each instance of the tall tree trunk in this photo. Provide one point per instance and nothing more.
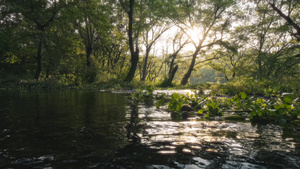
(134, 62)
(133, 52)
(89, 51)
(259, 59)
(260, 54)
(39, 57)
(41, 28)
(145, 65)
(186, 76)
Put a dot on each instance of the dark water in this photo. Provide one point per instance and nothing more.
(91, 129)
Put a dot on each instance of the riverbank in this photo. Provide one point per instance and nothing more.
(250, 87)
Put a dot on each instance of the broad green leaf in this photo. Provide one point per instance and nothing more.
(200, 111)
(288, 99)
(175, 96)
(178, 106)
(243, 95)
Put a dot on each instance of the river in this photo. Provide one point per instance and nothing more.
(93, 129)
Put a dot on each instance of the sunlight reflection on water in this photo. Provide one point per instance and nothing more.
(236, 142)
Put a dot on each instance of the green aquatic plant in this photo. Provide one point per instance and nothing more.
(161, 99)
(264, 109)
(194, 99)
(280, 109)
(176, 102)
(145, 95)
(213, 107)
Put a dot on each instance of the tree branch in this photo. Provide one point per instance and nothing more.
(288, 19)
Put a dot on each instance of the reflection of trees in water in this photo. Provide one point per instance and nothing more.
(133, 127)
(38, 109)
(89, 105)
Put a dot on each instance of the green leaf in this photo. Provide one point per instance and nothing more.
(288, 99)
(150, 89)
(178, 106)
(258, 101)
(243, 95)
(200, 111)
(159, 103)
(172, 106)
(175, 96)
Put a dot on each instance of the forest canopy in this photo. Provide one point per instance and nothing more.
(161, 42)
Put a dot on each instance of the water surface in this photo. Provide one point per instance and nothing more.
(93, 129)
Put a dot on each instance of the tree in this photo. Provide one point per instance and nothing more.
(178, 43)
(155, 23)
(208, 17)
(92, 24)
(154, 34)
(233, 58)
(273, 41)
(128, 6)
(41, 13)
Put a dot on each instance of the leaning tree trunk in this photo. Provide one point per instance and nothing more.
(134, 62)
(39, 57)
(186, 76)
(172, 63)
(171, 76)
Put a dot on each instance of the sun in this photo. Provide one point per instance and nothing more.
(195, 35)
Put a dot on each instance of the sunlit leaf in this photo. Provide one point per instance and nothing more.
(178, 106)
(258, 101)
(175, 96)
(243, 95)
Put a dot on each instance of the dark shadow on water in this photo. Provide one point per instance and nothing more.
(60, 128)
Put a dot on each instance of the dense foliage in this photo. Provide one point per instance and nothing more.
(156, 42)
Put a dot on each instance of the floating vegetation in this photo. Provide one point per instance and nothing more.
(279, 108)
